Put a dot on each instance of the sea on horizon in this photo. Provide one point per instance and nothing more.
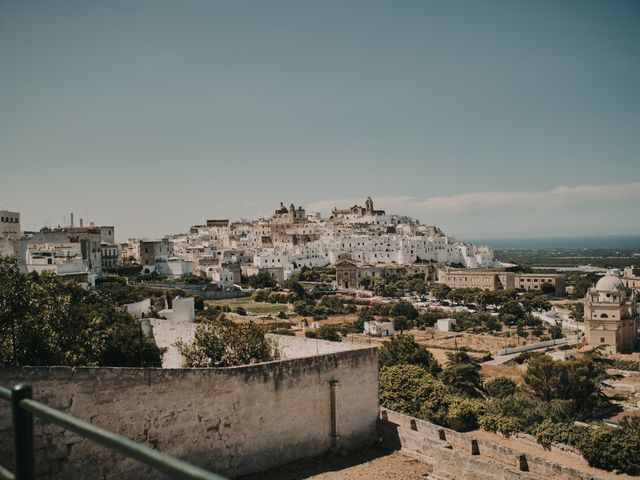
(606, 242)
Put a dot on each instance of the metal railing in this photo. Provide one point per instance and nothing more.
(24, 408)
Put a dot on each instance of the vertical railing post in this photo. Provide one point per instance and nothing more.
(334, 415)
(23, 433)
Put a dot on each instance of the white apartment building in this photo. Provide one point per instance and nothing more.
(63, 259)
(9, 224)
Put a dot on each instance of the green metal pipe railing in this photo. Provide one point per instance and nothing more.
(24, 409)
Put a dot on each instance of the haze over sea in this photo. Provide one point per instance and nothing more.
(565, 242)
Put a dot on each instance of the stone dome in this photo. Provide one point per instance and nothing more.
(610, 283)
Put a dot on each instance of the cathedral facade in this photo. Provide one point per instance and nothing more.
(610, 315)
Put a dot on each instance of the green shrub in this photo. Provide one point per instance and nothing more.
(410, 389)
(329, 332)
(403, 349)
(504, 424)
(500, 387)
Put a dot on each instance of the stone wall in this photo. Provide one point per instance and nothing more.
(231, 421)
(456, 455)
(289, 346)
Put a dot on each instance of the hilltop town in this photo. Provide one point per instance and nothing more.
(221, 250)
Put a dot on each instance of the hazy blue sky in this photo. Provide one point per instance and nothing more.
(487, 118)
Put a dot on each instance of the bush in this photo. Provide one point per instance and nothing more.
(282, 315)
(548, 432)
(513, 413)
(283, 331)
(241, 311)
(260, 295)
(500, 387)
(411, 390)
(506, 425)
(614, 448)
(329, 332)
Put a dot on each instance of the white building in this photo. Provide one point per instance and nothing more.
(379, 329)
(173, 267)
(445, 324)
(138, 309)
(221, 276)
(182, 310)
(63, 259)
(292, 239)
(9, 224)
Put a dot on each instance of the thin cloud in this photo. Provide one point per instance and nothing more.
(475, 201)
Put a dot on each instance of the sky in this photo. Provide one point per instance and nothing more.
(490, 119)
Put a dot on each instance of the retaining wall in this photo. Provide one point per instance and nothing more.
(232, 420)
(457, 455)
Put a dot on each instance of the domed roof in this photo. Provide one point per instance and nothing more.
(610, 283)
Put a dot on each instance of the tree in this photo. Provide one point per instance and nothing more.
(403, 349)
(410, 389)
(521, 332)
(262, 280)
(440, 291)
(577, 312)
(15, 293)
(401, 324)
(295, 287)
(430, 317)
(222, 343)
(303, 308)
(365, 283)
(456, 295)
(403, 309)
(512, 308)
(500, 387)
(547, 288)
(576, 382)
(462, 373)
(46, 320)
(328, 332)
(555, 331)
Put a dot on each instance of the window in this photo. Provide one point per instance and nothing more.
(601, 339)
(604, 315)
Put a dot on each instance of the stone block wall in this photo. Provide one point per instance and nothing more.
(459, 455)
(232, 421)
